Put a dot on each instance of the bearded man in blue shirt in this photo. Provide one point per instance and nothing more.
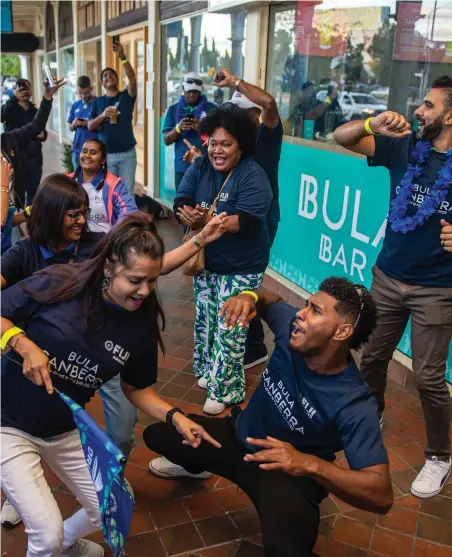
(310, 404)
(413, 273)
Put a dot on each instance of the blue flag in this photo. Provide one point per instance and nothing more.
(106, 464)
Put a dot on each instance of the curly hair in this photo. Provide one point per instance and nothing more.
(236, 122)
(354, 302)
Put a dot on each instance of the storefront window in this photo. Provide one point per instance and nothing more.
(203, 44)
(54, 117)
(361, 60)
(70, 89)
(90, 63)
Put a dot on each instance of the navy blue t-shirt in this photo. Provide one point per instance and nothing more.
(248, 190)
(317, 414)
(82, 111)
(268, 153)
(122, 343)
(26, 257)
(118, 137)
(193, 137)
(417, 257)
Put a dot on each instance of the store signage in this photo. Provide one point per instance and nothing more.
(333, 208)
(410, 44)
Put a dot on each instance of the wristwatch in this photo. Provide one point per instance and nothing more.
(170, 414)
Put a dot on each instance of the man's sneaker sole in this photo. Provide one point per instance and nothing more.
(256, 362)
(201, 476)
(8, 524)
(432, 493)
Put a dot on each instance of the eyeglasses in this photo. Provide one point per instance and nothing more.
(192, 80)
(75, 215)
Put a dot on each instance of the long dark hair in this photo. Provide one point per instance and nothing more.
(135, 235)
(104, 167)
(56, 195)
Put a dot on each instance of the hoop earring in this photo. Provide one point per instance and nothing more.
(105, 283)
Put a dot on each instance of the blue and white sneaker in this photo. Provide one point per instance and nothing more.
(431, 479)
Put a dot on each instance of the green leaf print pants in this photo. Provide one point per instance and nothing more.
(219, 353)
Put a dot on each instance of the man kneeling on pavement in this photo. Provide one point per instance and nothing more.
(310, 404)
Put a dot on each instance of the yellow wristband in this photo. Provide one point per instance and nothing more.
(252, 294)
(178, 129)
(9, 334)
(367, 127)
(123, 60)
(27, 211)
(328, 100)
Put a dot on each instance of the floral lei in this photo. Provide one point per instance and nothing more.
(397, 212)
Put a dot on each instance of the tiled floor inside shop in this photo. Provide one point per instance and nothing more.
(213, 518)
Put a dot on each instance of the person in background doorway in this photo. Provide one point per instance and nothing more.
(112, 117)
(16, 113)
(263, 111)
(79, 116)
(109, 198)
(182, 122)
(413, 273)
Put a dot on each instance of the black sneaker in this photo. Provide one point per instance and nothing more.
(253, 360)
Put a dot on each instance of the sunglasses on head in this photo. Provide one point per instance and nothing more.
(192, 80)
(75, 215)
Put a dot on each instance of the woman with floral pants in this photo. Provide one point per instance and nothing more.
(239, 258)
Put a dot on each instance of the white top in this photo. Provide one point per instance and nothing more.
(97, 218)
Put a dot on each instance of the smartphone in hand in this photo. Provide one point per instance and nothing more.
(49, 78)
(116, 39)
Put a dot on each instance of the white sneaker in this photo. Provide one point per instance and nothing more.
(202, 382)
(10, 517)
(213, 407)
(84, 548)
(431, 479)
(163, 468)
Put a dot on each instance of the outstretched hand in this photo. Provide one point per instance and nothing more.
(192, 154)
(238, 310)
(278, 455)
(50, 91)
(215, 228)
(192, 432)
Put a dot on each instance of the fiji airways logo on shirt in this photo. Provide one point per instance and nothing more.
(120, 355)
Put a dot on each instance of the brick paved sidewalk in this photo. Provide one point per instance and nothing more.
(213, 518)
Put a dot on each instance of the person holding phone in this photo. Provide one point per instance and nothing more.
(112, 117)
(182, 123)
(79, 116)
(18, 112)
(15, 143)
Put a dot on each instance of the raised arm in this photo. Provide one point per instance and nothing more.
(357, 135)
(270, 116)
(130, 72)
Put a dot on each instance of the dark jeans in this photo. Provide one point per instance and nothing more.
(255, 347)
(288, 506)
(431, 330)
(178, 179)
(33, 178)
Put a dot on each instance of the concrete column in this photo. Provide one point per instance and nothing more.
(61, 118)
(195, 62)
(237, 38)
(75, 27)
(103, 31)
(153, 100)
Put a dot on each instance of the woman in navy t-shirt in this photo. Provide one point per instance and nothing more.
(238, 260)
(85, 323)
